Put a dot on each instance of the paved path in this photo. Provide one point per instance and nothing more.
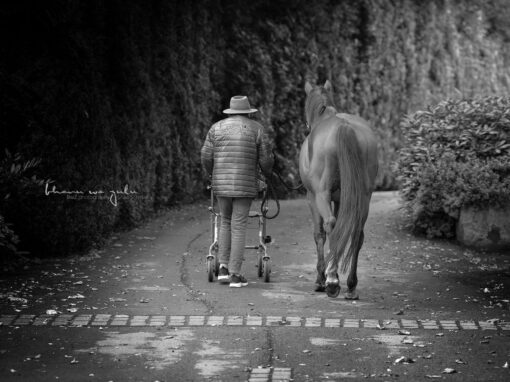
(142, 309)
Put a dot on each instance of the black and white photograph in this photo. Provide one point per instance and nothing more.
(254, 190)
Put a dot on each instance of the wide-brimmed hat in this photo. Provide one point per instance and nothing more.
(239, 105)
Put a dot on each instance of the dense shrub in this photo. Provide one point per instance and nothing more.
(17, 180)
(457, 154)
(114, 92)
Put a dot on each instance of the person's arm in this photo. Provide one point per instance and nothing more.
(207, 153)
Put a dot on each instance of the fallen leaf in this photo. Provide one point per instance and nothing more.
(404, 360)
(17, 299)
(76, 296)
(117, 299)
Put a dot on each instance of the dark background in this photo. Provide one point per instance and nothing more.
(115, 93)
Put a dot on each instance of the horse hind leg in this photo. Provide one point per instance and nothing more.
(352, 279)
(319, 236)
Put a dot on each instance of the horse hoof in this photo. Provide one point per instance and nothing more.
(333, 290)
(351, 295)
(320, 287)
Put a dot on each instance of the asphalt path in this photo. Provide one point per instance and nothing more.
(142, 309)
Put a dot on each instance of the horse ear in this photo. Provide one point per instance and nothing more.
(327, 86)
(308, 87)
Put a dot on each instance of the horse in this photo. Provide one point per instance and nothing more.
(337, 165)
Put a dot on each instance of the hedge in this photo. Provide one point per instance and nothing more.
(457, 155)
(109, 93)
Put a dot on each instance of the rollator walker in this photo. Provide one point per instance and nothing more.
(263, 259)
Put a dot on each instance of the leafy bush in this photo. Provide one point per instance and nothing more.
(8, 239)
(457, 154)
(123, 92)
(15, 179)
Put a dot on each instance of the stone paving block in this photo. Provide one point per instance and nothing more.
(370, 323)
(215, 321)
(448, 325)
(261, 370)
(293, 321)
(120, 320)
(409, 324)
(274, 320)
(7, 319)
(81, 320)
(430, 324)
(176, 320)
(281, 374)
(101, 320)
(42, 320)
(235, 320)
(351, 323)
(196, 320)
(332, 322)
(487, 325)
(62, 320)
(504, 325)
(157, 321)
(138, 321)
(24, 319)
(391, 324)
(313, 322)
(254, 321)
(468, 325)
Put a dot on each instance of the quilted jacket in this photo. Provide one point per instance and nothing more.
(233, 150)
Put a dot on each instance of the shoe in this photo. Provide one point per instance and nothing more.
(223, 275)
(238, 281)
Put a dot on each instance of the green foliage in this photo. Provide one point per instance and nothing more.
(8, 239)
(457, 154)
(120, 92)
(16, 178)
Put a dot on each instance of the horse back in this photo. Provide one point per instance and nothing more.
(321, 146)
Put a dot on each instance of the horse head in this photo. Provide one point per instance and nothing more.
(319, 100)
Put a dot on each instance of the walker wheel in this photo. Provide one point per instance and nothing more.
(260, 266)
(210, 270)
(216, 266)
(267, 270)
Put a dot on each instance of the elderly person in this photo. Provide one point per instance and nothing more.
(233, 150)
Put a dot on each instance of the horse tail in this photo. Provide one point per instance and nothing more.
(353, 206)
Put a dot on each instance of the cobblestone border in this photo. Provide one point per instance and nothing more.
(116, 320)
(266, 374)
